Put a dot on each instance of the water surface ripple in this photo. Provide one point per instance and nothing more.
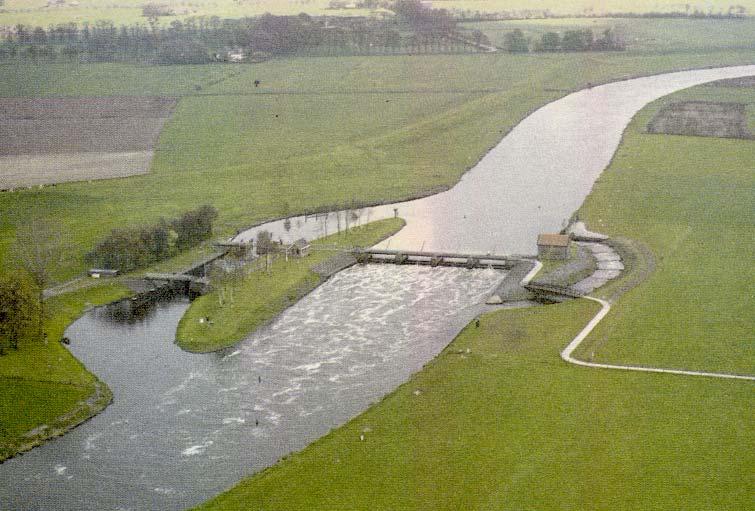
(184, 427)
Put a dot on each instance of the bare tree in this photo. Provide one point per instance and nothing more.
(39, 250)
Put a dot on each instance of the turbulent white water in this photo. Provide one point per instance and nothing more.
(183, 426)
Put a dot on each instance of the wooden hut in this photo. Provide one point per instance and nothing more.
(299, 248)
(553, 246)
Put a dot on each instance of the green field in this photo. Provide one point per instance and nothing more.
(320, 132)
(509, 425)
(697, 216)
(639, 35)
(36, 12)
(259, 297)
(41, 382)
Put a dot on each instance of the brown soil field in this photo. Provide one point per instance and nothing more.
(33, 170)
(52, 140)
(702, 119)
(747, 81)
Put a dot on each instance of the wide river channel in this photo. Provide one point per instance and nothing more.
(183, 427)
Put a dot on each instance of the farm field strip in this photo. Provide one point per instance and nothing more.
(54, 140)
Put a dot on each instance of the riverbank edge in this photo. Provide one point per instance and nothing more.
(98, 399)
(438, 189)
(301, 288)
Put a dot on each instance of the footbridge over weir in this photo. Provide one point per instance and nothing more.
(376, 255)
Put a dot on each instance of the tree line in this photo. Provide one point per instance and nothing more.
(572, 40)
(127, 249)
(416, 28)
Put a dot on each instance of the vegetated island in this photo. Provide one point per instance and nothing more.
(238, 306)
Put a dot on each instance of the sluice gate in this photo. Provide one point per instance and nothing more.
(422, 258)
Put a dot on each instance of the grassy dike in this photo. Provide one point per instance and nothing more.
(510, 426)
(260, 296)
(690, 200)
(43, 384)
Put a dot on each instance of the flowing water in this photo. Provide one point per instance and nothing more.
(531, 182)
(183, 427)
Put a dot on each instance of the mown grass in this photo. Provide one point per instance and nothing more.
(690, 199)
(510, 426)
(40, 381)
(35, 12)
(259, 297)
(318, 132)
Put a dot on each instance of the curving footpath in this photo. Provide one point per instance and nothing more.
(566, 354)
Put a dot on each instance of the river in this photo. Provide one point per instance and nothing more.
(184, 427)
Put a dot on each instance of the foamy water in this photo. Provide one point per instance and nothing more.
(183, 427)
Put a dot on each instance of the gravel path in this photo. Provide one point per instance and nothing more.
(566, 354)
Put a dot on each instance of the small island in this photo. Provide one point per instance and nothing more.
(240, 305)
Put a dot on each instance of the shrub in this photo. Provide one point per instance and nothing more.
(129, 249)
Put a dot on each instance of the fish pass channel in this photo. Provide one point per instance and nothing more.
(183, 427)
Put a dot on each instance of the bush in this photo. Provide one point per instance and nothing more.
(128, 249)
(19, 309)
(265, 243)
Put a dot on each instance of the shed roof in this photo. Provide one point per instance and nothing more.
(553, 240)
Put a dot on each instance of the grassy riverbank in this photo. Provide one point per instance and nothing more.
(690, 199)
(303, 137)
(509, 425)
(259, 297)
(43, 384)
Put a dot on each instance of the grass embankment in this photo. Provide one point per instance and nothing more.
(690, 199)
(43, 384)
(302, 141)
(260, 296)
(511, 426)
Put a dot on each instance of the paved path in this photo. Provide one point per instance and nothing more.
(566, 354)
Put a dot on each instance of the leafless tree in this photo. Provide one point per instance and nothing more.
(39, 250)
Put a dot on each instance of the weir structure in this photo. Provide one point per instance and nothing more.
(377, 255)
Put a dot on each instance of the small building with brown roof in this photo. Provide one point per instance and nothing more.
(299, 248)
(553, 246)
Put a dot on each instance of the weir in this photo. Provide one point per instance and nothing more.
(425, 258)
